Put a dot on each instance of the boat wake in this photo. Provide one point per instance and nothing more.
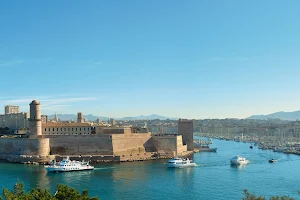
(103, 168)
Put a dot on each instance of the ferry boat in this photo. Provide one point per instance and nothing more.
(180, 163)
(239, 160)
(67, 165)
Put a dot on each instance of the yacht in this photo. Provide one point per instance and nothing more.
(180, 163)
(239, 160)
(67, 165)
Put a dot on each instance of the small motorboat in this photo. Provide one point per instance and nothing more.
(272, 160)
(180, 163)
(238, 160)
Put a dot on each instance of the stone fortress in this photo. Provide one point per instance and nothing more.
(53, 140)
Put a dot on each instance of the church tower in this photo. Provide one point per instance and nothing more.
(35, 123)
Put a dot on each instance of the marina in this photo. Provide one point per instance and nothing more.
(213, 177)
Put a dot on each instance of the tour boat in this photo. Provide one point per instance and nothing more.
(67, 165)
(180, 163)
(238, 160)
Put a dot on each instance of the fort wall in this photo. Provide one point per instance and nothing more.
(81, 144)
(169, 144)
(24, 146)
(132, 144)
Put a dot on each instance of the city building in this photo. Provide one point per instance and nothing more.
(113, 122)
(80, 117)
(112, 130)
(14, 121)
(10, 109)
(44, 118)
(67, 129)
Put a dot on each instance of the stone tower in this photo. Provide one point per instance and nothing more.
(186, 129)
(80, 118)
(35, 122)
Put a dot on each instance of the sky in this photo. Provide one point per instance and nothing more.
(189, 59)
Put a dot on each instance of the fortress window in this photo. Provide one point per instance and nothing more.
(72, 129)
(60, 129)
(57, 129)
(76, 129)
(45, 129)
(53, 129)
(80, 129)
(84, 129)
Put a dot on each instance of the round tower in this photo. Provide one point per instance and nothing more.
(35, 122)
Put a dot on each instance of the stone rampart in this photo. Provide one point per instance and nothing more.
(132, 144)
(81, 144)
(24, 146)
(170, 144)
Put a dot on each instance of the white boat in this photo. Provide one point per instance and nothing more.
(180, 163)
(239, 160)
(67, 165)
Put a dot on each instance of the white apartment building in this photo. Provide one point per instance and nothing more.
(10, 109)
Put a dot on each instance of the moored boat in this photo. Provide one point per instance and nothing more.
(67, 165)
(180, 163)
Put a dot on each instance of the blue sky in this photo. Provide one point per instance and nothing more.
(192, 59)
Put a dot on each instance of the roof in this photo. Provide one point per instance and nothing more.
(35, 102)
(50, 125)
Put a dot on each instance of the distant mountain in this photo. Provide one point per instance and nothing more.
(149, 117)
(66, 117)
(292, 116)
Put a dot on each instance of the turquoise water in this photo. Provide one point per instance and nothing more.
(214, 178)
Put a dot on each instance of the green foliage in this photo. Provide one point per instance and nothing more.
(249, 196)
(63, 193)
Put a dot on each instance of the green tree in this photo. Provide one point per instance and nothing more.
(63, 193)
(251, 196)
